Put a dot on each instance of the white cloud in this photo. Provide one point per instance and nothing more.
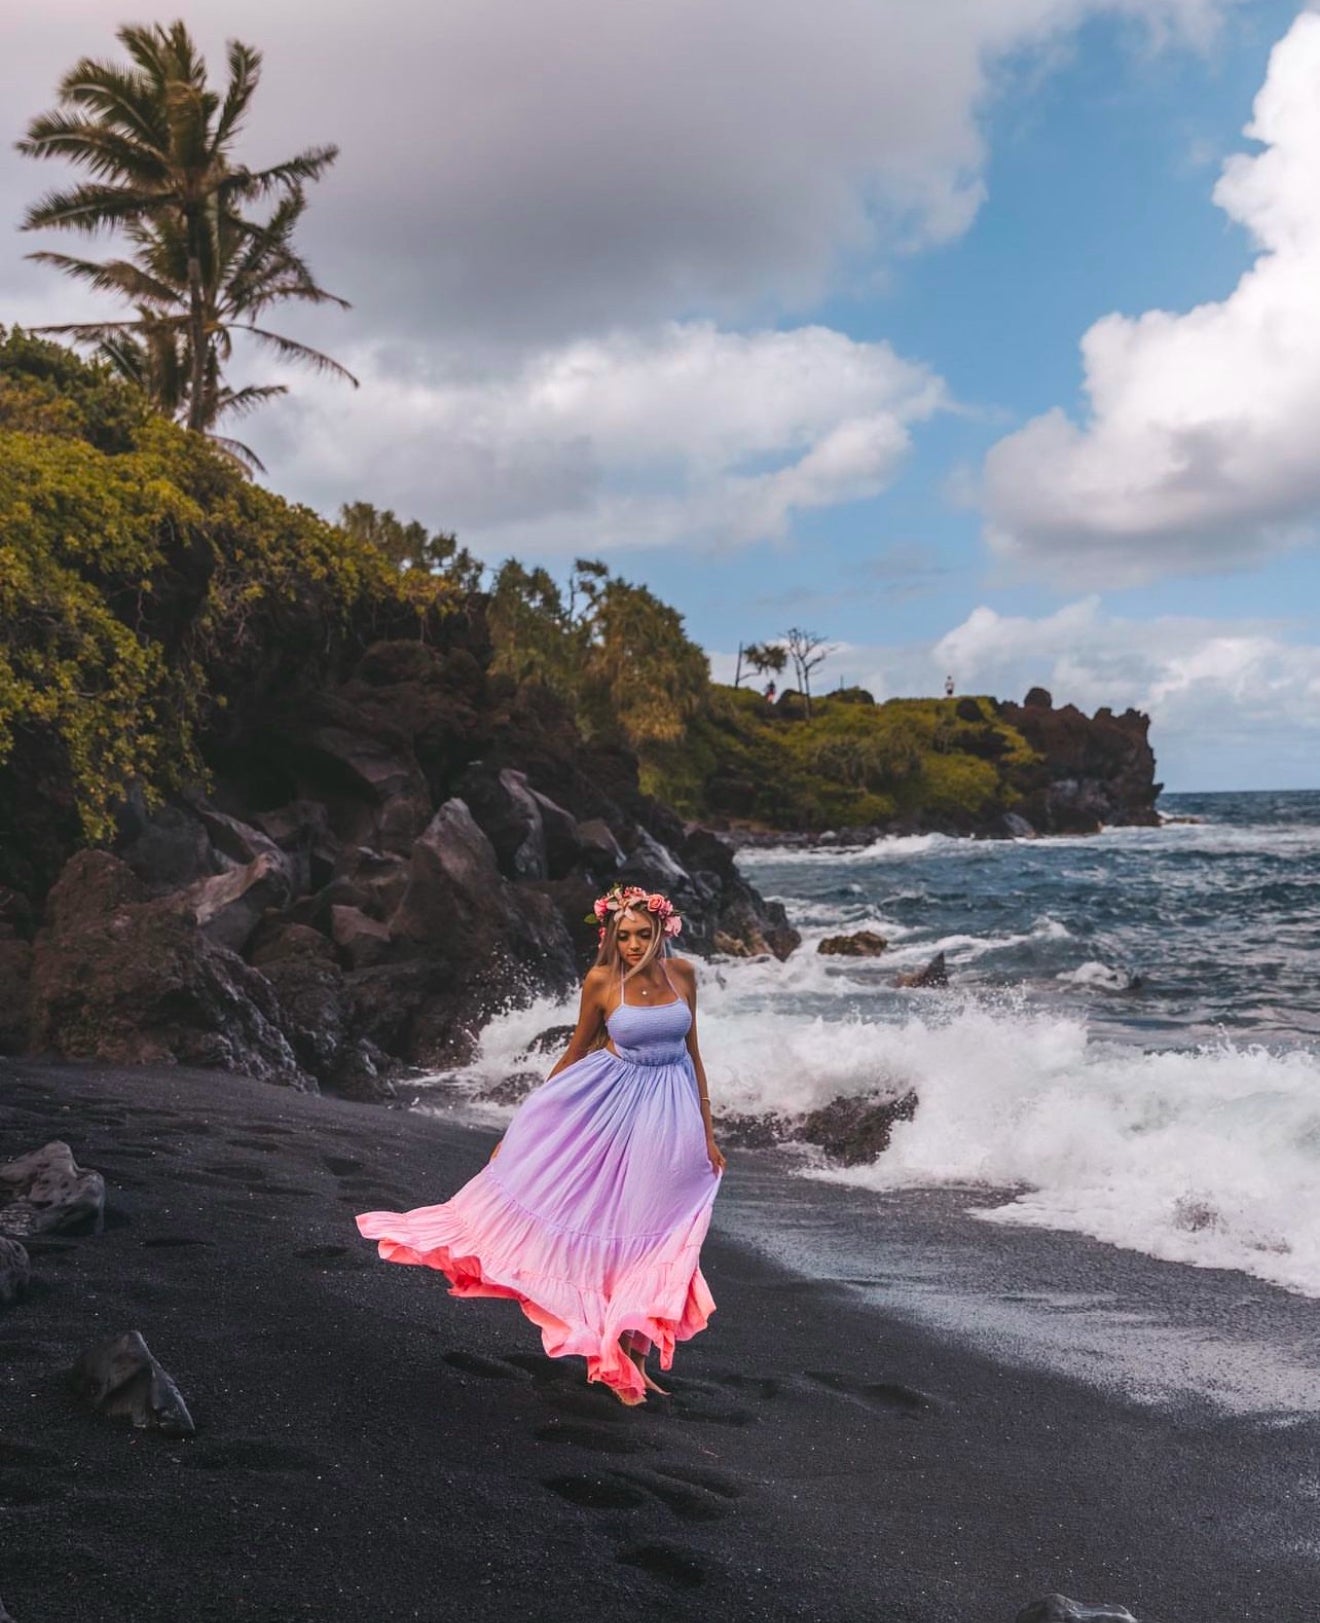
(525, 173)
(1199, 448)
(685, 433)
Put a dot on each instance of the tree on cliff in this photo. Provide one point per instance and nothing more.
(808, 652)
(613, 649)
(762, 657)
(158, 144)
(411, 546)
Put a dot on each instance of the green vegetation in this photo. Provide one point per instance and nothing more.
(159, 143)
(613, 650)
(851, 763)
(146, 585)
(140, 577)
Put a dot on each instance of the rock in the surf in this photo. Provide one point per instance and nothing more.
(1059, 1609)
(860, 944)
(47, 1192)
(854, 1131)
(15, 1270)
(553, 1040)
(120, 1378)
(935, 973)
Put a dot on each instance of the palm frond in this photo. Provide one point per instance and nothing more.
(90, 208)
(94, 145)
(244, 76)
(124, 100)
(291, 350)
(309, 165)
(244, 456)
(113, 276)
(242, 401)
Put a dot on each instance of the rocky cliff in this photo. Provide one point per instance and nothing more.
(265, 802)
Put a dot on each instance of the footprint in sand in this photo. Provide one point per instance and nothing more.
(668, 1562)
(26, 1454)
(490, 1369)
(169, 1241)
(627, 1490)
(341, 1165)
(595, 1439)
(891, 1396)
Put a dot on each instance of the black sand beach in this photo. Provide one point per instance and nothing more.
(369, 1449)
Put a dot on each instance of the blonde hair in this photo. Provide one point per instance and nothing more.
(609, 956)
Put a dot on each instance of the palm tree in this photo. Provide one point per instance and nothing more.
(158, 145)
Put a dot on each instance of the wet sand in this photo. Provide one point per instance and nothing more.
(370, 1449)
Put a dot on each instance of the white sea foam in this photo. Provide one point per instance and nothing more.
(889, 848)
(1210, 1157)
(1094, 973)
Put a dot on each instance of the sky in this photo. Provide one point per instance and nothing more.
(980, 338)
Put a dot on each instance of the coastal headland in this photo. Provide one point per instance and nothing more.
(274, 801)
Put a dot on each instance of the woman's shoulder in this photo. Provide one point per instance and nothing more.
(683, 968)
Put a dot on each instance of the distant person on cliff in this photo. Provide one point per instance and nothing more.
(592, 1217)
(770, 691)
(948, 687)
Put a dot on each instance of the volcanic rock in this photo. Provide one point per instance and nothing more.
(854, 1131)
(860, 944)
(361, 940)
(600, 850)
(121, 977)
(15, 981)
(47, 1192)
(553, 1040)
(167, 848)
(120, 1378)
(563, 844)
(509, 815)
(934, 974)
(229, 906)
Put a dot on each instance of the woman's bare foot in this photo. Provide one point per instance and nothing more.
(639, 1358)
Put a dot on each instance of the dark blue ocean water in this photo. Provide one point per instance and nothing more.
(1169, 935)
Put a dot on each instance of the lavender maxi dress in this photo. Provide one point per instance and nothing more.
(592, 1216)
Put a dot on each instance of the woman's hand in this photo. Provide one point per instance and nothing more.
(716, 1154)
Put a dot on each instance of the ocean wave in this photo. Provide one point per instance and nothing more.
(888, 848)
(1208, 1156)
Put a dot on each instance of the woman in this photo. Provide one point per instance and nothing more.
(592, 1209)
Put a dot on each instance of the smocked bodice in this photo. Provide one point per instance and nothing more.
(654, 1034)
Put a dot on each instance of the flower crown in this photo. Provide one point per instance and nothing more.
(619, 898)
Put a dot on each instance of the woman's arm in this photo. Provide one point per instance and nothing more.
(591, 1012)
(688, 981)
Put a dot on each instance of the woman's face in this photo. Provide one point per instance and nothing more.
(634, 937)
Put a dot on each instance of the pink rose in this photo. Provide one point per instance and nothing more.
(673, 924)
(602, 907)
(656, 903)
